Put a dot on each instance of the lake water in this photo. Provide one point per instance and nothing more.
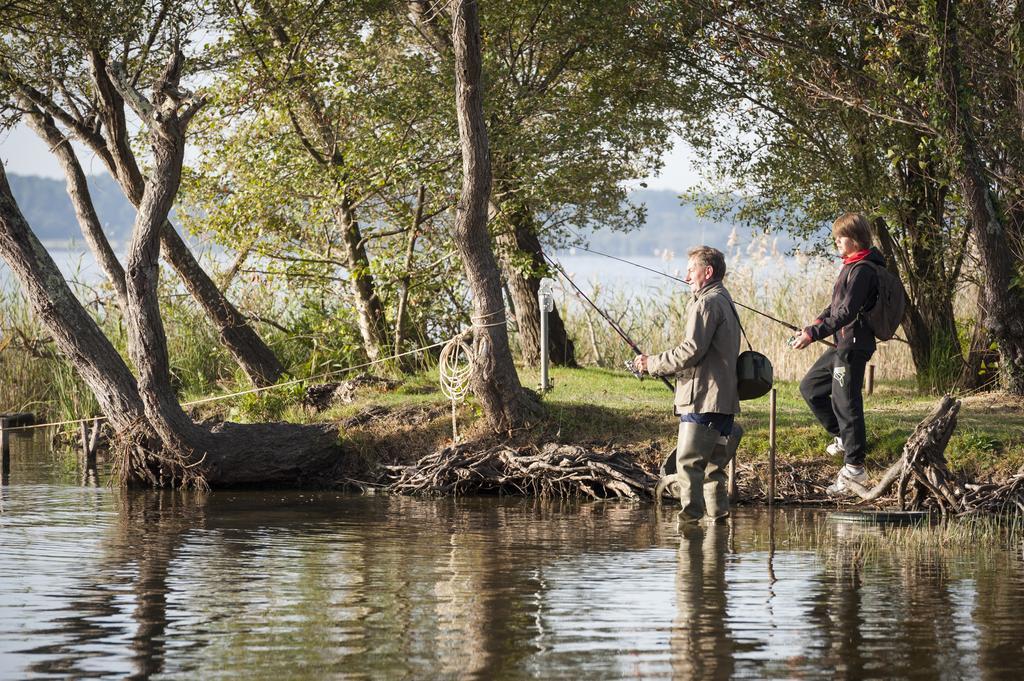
(101, 582)
(588, 271)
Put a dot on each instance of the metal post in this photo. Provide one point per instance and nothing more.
(871, 378)
(771, 447)
(547, 303)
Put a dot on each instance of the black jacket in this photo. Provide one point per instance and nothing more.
(855, 292)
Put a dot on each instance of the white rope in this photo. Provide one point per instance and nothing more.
(454, 368)
(217, 398)
(477, 324)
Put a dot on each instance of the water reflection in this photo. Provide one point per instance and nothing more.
(702, 645)
(102, 582)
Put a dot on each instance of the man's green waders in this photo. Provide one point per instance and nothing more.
(701, 477)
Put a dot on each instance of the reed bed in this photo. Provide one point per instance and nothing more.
(33, 377)
(975, 536)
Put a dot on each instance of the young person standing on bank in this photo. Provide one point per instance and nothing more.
(833, 387)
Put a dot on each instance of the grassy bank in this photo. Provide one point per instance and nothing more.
(599, 404)
(610, 408)
(606, 406)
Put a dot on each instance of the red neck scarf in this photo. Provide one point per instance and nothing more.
(859, 255)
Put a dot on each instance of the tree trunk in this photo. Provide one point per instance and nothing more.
(494, 379)
(76, 333)
(929, 321)
(147, 343)
(369, 310)
(78, 191)
(524, 285)
(408, 363)
(1004, 308)
(252, 354)
(976, 371)
(370, 317)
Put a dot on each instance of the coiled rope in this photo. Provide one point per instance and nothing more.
(454, 368)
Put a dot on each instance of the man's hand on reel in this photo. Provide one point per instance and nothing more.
(637, 366)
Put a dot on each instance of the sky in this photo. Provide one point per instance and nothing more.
(23, 153)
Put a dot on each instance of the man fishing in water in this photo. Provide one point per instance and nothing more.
(832, 386)
(706, 398)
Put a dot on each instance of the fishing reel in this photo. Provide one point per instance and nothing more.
(633, 369)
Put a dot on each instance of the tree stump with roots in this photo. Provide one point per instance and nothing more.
(922, 479)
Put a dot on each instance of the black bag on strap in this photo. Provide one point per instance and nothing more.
(754, 374)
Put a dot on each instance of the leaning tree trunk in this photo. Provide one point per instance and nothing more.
(76, 334)
(494, 379)
(255, 358)
(524, 285)
(81, 201)
(1004, 307)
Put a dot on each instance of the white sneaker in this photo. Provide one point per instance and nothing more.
(846, 473)
(835, 448)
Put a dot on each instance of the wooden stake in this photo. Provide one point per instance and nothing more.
(5, 451)
(89, 444)
(732, 479)
(83, 433)
(871, 378)
(771, 447)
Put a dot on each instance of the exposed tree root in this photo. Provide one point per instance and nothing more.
(798, 483)
(141, 460)
(551, 471)
(923, 482)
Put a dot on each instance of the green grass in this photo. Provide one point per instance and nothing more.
(602, 405)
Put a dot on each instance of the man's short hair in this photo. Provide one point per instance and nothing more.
(853, 226)
(706, 256)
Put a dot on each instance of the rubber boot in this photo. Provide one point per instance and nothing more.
(716, 474)
(693, 450)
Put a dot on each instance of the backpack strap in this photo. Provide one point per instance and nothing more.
(737, 314)
(875, 267)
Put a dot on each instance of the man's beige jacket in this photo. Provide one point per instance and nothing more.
(705, 363)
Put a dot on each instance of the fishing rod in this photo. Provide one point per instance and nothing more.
(611, 322)
(791, 327)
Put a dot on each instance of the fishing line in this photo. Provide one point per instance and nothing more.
(611, 322)
(791, 327)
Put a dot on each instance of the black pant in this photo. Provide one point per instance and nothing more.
(832, 389)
